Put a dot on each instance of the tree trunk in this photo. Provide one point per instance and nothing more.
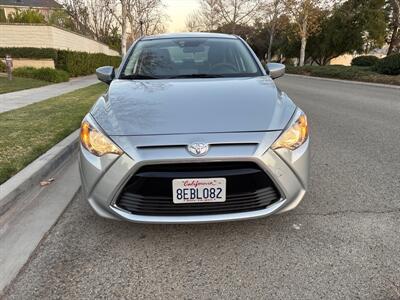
(303, 43)
(124, 14)
(395, 39)
(271, 40)
(234, 28)
(303, 51)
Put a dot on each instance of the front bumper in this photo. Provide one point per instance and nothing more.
(104, 178)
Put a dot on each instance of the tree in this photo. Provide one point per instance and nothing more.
(206, 18)
(119, 10)
(338, 35)
(209, 14)
(284, 41)
(61, 19)
(354, 26)
(306, 15)
(26, 16)
(244, 31)
(90, 17)
(272, 12)
(3, 18)
(238, 12)
(194, 22)
(146, 17)
(371, 16)
(139, 16)
(113, 39)
(394, 26)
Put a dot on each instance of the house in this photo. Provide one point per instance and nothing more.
(45, 7)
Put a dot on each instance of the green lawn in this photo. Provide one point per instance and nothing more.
(366, 74)
(28, 132)
(18, 83)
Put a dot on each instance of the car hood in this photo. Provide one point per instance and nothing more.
(178, 106)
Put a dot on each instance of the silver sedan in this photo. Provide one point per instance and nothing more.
(193, 129)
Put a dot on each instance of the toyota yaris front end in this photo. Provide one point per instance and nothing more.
(192, 129)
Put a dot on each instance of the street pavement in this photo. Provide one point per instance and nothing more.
(342, 242)
(14, 100)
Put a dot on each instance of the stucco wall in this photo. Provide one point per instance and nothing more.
(34, 63)
(43, 36)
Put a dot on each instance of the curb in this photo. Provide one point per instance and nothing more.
(381, 85)
(37, 171)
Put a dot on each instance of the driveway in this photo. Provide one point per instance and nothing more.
(342, 242)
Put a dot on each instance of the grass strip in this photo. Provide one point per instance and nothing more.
(18, 83)
(365, 74)
(28, 132)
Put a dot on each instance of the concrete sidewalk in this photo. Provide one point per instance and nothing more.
(22, 98)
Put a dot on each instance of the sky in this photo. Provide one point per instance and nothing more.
(178, 10)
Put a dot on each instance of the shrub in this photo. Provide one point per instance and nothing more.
(365, 61)
(3, 67)
(82, 63)
(390, 65)
(28, 16)
(46, 74)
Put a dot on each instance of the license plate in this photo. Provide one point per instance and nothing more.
(199, 190)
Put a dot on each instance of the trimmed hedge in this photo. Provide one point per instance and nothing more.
(3, 67)
(46, 74)
(75, 63)
(390, 65)
(365, 61)
(27, 52)
(82, 63)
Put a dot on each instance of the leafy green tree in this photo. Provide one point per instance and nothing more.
(244, 31)
(354, 26)
(113, 39)
(61, 19)
(306, 15)
(286, 41)
(26, 16)
(257, 39)
(2, 16)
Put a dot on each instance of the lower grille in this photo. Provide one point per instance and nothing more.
(149, 191)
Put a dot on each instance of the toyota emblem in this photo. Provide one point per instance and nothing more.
(198, 149)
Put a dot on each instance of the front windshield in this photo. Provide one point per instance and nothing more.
(190, 58)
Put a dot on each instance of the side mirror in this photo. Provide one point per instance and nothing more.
(105, 74)
(275, 70)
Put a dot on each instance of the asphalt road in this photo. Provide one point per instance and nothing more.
(343, 242)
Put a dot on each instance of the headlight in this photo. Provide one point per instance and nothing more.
(96, 142)
(295, 136)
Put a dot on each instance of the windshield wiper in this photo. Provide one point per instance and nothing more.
(139, 76)
(196, 76)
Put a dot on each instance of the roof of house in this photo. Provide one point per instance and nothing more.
(31, 3)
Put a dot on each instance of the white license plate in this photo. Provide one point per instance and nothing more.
(199, 190)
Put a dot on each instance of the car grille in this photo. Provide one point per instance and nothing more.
(149, 191)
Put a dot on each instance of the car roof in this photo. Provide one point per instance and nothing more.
(189, 35)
